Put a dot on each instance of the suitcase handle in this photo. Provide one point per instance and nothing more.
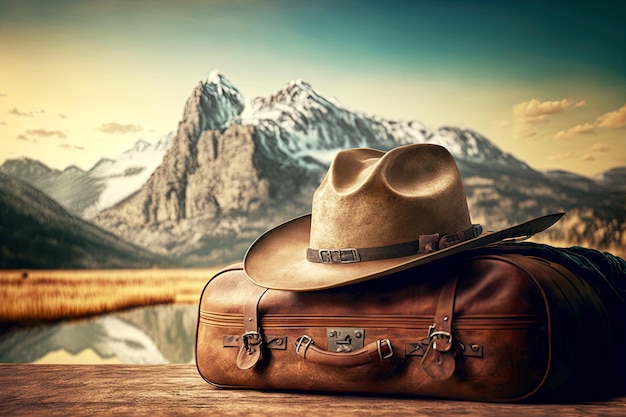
(376, 351)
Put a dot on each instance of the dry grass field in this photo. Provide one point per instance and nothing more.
(36, 295)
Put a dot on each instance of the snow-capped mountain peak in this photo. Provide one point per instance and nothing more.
(296, 93)
(140, 146)
(214, 77)
(312, 129)
(468, 145)
(214, 103)
(165, 142)
(222, 85)
(102, 165)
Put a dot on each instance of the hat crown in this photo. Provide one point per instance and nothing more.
(372, 198)
(374, 214)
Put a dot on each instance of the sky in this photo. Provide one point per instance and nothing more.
(543, 80)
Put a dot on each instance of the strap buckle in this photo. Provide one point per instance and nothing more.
(435, 336)
(246, 342)
(441, 334)
(339, 256)
(305, 341)
(379, 345)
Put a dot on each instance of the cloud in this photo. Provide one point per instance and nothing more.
(581, 129)
(3, 122)
(3, 95)
(532, 112)
(15, 112)
(595, 153)
(115, 128)
(536, 109)
(31, 135)
(62, 116)
(42, 133)
(25, 138)
(524, 131)
(71, 147)
(613, 119)
(580, 103)
(561, 156)
(600, 147)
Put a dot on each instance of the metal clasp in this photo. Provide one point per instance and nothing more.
(345, 339)
(379, 344)
(245, 339)
(339, 256)
(301, 342)
(440, 334)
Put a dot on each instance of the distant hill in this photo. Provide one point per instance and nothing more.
(615, 177)
(36, 232)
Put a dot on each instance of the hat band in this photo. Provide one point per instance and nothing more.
(425, 244)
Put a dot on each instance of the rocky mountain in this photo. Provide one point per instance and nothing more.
(85, 193)
(237, 167)
(298, 123)
(36, 232)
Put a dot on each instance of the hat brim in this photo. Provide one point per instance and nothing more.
(277, 260)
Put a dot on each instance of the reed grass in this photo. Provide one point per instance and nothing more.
(32, 295)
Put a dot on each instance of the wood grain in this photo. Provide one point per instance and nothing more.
(168, 390)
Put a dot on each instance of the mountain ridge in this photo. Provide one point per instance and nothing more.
(86, 192)
(222, 184)
(236, 167)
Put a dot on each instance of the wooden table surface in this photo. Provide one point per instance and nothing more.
(173, 390)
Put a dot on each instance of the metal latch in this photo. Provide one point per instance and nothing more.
(345, 339)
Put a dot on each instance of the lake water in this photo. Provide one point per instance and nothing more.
(146, 335)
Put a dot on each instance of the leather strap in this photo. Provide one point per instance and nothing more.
(376, 351)
(425, 244)
(251, 340)
(438, 361)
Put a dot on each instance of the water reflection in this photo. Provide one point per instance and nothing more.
(147, 335)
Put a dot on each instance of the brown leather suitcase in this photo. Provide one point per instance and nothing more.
(488, 327)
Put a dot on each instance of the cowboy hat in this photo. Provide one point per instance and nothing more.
(373, 214)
